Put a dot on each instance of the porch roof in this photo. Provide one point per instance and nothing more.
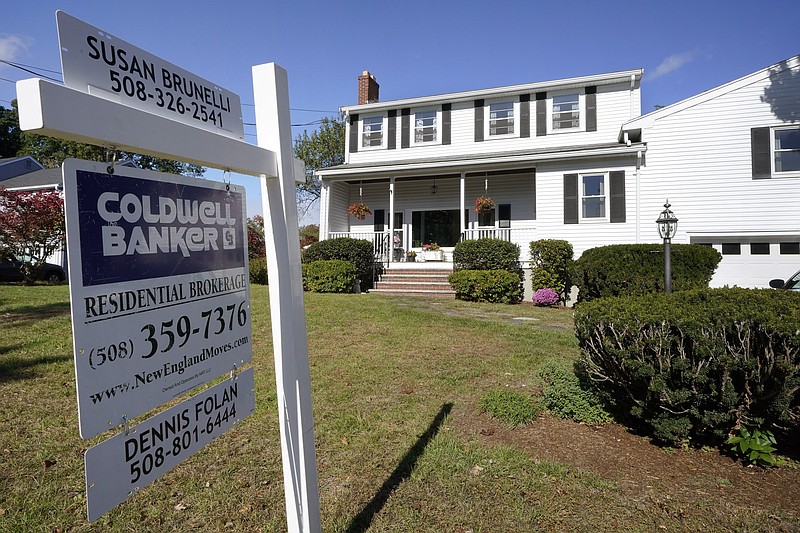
(472, 162)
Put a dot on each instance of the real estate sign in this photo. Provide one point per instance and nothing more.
(159, 287)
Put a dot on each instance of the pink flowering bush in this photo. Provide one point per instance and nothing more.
(546, 298)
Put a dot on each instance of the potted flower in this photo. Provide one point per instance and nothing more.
(484, 204)
(358, 210)
(432, 252)
(411, 256)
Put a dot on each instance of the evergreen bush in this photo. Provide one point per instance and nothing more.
(258, 271)
(334, 275)
(695, 364)
(496, 286)
(551, 263)
(357, 251)
(630, 269)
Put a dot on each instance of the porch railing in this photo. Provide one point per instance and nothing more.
(486, 233)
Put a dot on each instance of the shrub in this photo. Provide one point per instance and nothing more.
(513, 408)
(629, 269)
(546, 298)
(565, 397)
(694, 364)
(487, 254)
(551, 261)
(258, 271)
(754, 446)
(329, 276)
(496, 286)
(357, 251)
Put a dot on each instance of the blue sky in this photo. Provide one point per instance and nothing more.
(417, 48)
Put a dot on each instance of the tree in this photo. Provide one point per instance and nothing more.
(31, 227)
(256, 245)
(322, 149)
(309, 235)
(9, 132)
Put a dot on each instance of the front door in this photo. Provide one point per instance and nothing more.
(440, 227)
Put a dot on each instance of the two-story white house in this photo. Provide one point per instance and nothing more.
(574, 159)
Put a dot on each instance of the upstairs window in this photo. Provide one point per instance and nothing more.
(593, 196)
(566, 112)
(786, 149)
(372, 132)
(501, 118)
(425, 126)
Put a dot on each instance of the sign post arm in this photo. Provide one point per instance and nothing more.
(271, 94)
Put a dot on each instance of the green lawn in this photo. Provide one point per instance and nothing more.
(389, 376)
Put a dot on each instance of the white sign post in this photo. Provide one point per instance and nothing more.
(51, 109)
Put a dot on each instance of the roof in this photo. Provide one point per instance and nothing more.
(646, 121)
(496, 92)
(48, 178)
(477, 161)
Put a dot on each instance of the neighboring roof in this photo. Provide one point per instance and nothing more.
(48, 178)
(645, 121)
(473, 161)
(33, 165)
(567, 83)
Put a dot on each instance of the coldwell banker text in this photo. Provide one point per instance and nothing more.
(164, 225)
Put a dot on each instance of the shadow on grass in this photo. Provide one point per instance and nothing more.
(20, 316)
(403, 471)
(16, 368)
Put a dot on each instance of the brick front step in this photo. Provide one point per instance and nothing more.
(415, 282)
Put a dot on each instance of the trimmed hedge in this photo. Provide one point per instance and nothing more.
(551, 261)
(334, 275)
(357, 251)
(495, 286)
(488, 255)
(258, 271)
(694, 364)
(630, 269)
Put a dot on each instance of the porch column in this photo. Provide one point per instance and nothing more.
(391, 220)
(463, 186)
(323, 210)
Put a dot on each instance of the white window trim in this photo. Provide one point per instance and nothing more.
(361, 133)
(413, 133)
(775, 172)
(581, 110)
(487, 120)
(606, 197)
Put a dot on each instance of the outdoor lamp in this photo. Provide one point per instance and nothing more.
(667, 226)
(434, 188)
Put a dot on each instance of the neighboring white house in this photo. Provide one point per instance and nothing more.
(728, 160)
(573, 159)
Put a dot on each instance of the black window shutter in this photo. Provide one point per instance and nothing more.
(570, 198)
(466, 219)
(391, 131)
(446, 123)
(379, 219)
(478, 121)
(617, 190)
(504, 215)
(524, 115)
(541, 114)
(591, 109)
(405, 127)
(760, 152)
(353, 134)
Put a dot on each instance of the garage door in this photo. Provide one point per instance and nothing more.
(753, 261)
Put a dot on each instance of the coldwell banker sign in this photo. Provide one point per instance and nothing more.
(159, 287)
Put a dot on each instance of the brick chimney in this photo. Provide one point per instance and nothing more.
(367, 88)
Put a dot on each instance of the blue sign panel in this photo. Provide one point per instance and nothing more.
(134, 229)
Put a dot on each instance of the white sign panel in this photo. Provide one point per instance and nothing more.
(97, 63)
(159, 287)
(119, 467)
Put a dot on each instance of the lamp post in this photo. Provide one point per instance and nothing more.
(667, 226)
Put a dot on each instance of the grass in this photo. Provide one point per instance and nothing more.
(389, 376)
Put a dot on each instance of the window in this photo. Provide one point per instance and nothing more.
(787, 149)
(790, 248)
(759, 248)
(425, 126)
(372, 131)
(566, 112)
(593, 196)
(504, 215)
(731, 248)
(486, 218)
(501, 118)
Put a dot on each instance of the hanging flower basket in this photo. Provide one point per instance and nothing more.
(358, 210)
(484, 204)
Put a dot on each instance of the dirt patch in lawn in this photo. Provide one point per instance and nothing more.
(646, 471)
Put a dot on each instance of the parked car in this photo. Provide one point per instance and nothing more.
(10, 270)
(791, 284)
